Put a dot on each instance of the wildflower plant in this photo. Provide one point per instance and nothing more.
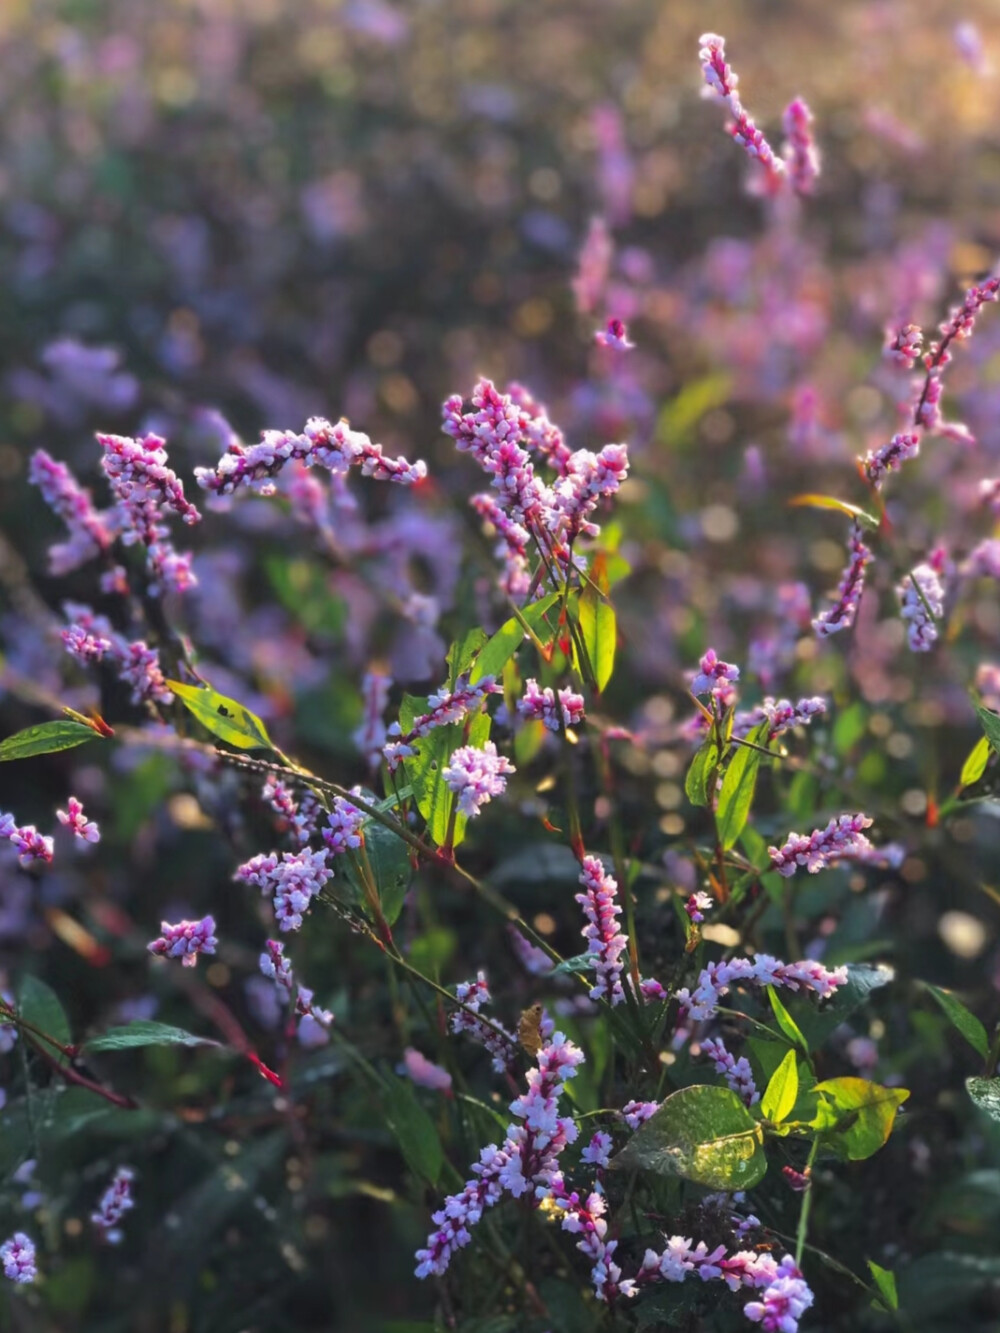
(597, 1114)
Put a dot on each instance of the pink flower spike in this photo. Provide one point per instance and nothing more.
(77, 823)
(605, 942)
(843, 839)
(476, 776)
(424, 1073)
(186, 940)
(115, 1202)
(852, 584)
(801, 155)
(615, 335)
(721, 81)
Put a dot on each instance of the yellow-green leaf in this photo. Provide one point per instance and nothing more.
(856, 1117)
(782, 1090)
(736, 793)
(225, 718)
(598, 624)
(975, 765)
(812, 501)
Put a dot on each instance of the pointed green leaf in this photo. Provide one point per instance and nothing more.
(782, 1090)
(598, 624)
(46, 738)
(225, 718)
(462, 654)
(389, 858)
(960, 1017)
(145, 1032)
(434, 797)
(975, 765)
(703, 765)
(39, 1005)
(702, 1133)
(785, 1021)
(498, 650)
(736, 793)
(413, 1129)
(886, 1283)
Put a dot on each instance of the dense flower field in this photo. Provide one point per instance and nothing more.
(499, 667)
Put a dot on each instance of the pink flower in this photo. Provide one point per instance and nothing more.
(714, 677)
(614, 335)
(115, 1203)
(697, 905)
(921, 601)
(605, 942)
(904, 345)
(801, 156)
(539, 705)
(476, 776)
(845, 608)
(17, 1255)
(186, 940)
(721, 81)
(737, 1073)
(843, 839)
(878, 463)
(424, 1073)
(77, 823)
(31, 845)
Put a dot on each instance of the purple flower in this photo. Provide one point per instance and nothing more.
(715, 979)
(443, 707)
(637, 1113)
(539, 705)
(115, 1202)
(904, 345)
(878, 463)
(598, 1150)
(501, 1044)
(476, 776)
(721, 81)
(714, 677)
(90, 533)
(344, 825)
(983, 561)
(605, 942)
(697, 905)
(424, 1073)
(614, 335)
(370, 736)
(737, 1073)
(921, 602)
(75, 820)
(31, 845)
(842, 840)
(845, 608)
(801, 156)
(18, 1258)
(785, 1300)
(293, 881)
(186, 940)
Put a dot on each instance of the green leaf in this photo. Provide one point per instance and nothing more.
(702, 1133)
(462, 654)
(785, 1021)
(223, 717)
(498, 650)
(698, 774)
(598, 624)
(39, 1005)
(581, 962)
(433, 796)
(886, 1283)
(856, 1117)
(849, 727)
(389, 858)
(782, 1090)
(990, 724)
(966, 1023)
(813, 501)
(736, 793)
(679, 418)
(985, 1092)
(46, 738)
(303, 589)
(975, 765)
(413, 1129)
(145, 1032)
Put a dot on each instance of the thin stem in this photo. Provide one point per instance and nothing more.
(800, 1235)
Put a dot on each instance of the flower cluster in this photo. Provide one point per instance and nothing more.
(300, 815)
(615, 335)
(737, 1073)
(185, 940)
(336, 448)
(721, 81)
(526, 1163)
(90, 532)
(801, 155)
(605, 942)
(344, 823)
(904, 345)
(697, 905)
(293, 880)
(90, 638)
(17, 1255)
(843, 839)
(31, 845)
(878, 463)
(714, 981)
(146, 489)
(539, 705)
(716, 678)
(77, 823)
(423, 1072)
(636, 1113)
(370, 736)
(114, 1204)
(501, 1044)
(845, 608)
(313, 1020)
(501, 433)
(443, 707)
(476, 776)
(921, 603)
(956, 328)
